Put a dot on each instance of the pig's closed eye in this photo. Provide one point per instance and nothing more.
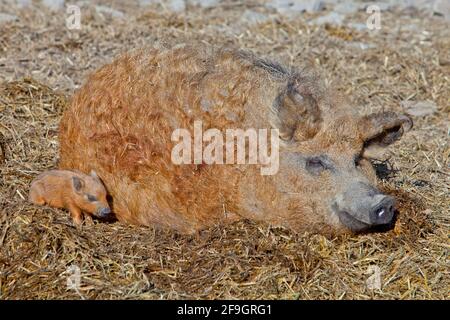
(91, 198)
(315, 165)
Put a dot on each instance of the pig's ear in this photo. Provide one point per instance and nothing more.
(78, 184)
(382, 129)
(291, 110)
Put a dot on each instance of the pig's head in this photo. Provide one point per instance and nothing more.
(326, 160)
(90, 194)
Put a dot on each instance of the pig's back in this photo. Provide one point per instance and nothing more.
(127, 110)
(121, 121)
(52, 184)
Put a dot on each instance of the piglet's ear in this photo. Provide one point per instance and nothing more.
(292, 110)
(78, 184)
(94, 175)
(381, 129)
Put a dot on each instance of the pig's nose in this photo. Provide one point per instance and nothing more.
(383, 212)
(104, 212)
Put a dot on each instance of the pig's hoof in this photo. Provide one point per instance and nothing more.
(88, 220)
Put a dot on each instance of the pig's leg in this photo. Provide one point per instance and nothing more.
(76, 214)
(36, 195)
(88, 220)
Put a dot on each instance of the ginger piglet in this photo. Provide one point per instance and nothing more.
(75, 191)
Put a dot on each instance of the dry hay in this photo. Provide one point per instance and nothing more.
(243, 260)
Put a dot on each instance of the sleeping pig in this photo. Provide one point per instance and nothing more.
(159, 124)
(75, 191)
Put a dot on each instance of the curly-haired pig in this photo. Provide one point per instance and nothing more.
(123, 120)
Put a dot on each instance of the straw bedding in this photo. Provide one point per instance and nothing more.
(42, 63)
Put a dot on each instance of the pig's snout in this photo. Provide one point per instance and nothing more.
(362, 206)
(103, 212)
(383, 212)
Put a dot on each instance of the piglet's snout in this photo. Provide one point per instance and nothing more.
(103, 212)
(383, 212)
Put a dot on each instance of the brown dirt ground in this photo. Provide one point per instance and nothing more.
(42, 63)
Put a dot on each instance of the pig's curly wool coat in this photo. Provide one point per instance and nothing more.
(121, 121)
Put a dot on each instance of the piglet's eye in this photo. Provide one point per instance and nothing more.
(357, 160)
(91, 198)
